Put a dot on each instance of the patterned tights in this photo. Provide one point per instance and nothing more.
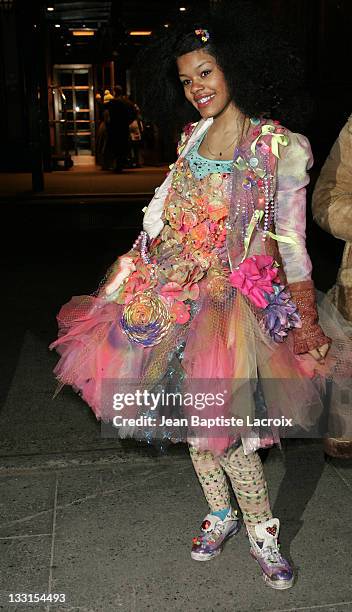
(247, 479)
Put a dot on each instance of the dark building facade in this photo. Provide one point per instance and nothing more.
(52, 72)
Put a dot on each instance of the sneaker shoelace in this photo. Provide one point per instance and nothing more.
(272, 554)
(217, 532)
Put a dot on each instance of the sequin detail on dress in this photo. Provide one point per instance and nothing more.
(202, 167)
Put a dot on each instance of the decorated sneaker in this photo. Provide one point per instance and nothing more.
(277, 572)
(214, 534)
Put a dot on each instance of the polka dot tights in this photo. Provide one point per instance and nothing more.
(247, 479)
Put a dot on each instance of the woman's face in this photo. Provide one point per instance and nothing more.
(203, 82)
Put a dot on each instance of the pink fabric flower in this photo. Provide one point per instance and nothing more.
(254, 277)
(181, 312)
(198, 235)
(189, 128)
(140, 280)
(172, 290)
(189, 220)
(175, 291)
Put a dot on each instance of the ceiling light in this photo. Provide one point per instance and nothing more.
(68, 45)
(140, 33)
(50, 9)
(6, 5)
(166, 25)
(57, 25)
(83, 32)
(183, 8)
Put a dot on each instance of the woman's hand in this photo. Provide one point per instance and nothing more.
(319, 353)
(124, 269)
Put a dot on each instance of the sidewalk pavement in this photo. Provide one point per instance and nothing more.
(110, 524)
(115, 534)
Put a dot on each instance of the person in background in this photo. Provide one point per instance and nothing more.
(120, 115)
(102, 153)
(136, 135)
(130, 105)
(332, 210)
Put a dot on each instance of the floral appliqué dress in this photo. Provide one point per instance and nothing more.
(215, 341)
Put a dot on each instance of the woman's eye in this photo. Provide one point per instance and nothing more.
(187, 82)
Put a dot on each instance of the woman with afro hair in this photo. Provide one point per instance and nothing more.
(214, 303)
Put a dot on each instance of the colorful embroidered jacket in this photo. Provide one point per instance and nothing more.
(270, 175)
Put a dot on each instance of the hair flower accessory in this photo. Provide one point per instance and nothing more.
(204, 34)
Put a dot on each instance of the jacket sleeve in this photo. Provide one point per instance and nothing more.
(152, 223)
(332, 197)
(292, 178)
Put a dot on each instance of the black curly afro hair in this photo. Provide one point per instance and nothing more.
(262, 68)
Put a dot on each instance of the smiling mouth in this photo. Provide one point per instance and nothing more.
(205, 100)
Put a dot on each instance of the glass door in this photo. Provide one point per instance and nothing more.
(74, 109)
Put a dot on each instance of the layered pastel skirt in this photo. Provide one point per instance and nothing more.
(215, 381)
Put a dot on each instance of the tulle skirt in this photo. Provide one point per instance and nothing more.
(215, 381)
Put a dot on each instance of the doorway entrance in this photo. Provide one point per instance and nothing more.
(74, 110)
